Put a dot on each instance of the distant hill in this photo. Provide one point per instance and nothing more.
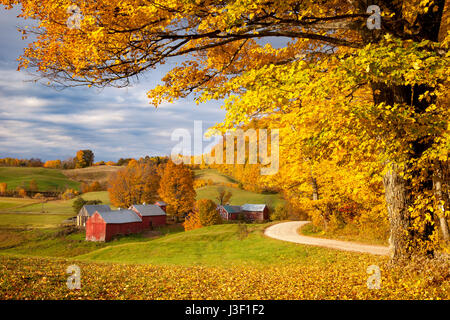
(239, 197)
(91, 174)
(47, 179)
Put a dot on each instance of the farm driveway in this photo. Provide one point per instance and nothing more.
(287, 231)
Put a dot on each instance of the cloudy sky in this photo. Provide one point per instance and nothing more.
(37, 121)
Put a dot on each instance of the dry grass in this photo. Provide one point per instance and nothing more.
(91, 174)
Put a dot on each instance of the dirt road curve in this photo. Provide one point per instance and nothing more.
(287, 231)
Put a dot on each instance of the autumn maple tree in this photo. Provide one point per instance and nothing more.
(84, 158)
(137, 183)
(177, 189)
(339, 90)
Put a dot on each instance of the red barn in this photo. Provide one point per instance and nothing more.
(255, 212)
(228, 212)
(161, 204)
(251, 212)
(151, 214)
(102, 226)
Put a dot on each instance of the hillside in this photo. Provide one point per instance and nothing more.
(239, 197)
(91, 174)
(50, 207)
(224, 244)
(47, 179)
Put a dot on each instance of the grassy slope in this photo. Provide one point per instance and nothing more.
(51, 207)
(12, 220)
(97, 173)
(239, 196)
(54, 242)
(27, 213)
(218, 245)
(47, 179)
(214, 175)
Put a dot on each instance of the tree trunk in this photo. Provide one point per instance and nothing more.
(396, 194)
(315, 194)
(398, 191)
(437, 181)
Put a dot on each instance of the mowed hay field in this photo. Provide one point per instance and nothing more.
(31, 213)
(25, 205)
(46, 179)
(214, 175)
(91, 174)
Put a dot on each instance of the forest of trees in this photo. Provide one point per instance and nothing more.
(148, 180)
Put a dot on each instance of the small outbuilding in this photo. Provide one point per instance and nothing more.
(152, 215)
(251, 212)
(103, 225)
(88, 210)
(162, 205)
(255, 212)
(228, 212)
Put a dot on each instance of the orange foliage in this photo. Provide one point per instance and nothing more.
(94, 186)
(53, 164)
(177, 189)
(3, 187)
(134, 184)
(192, 221)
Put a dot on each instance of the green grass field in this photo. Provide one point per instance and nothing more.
(19, 205)
(46, 179)
(239, 196)
(214, 175)
(220, 245)
(21, 237)
(31, 220)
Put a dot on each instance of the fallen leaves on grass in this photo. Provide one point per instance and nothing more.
(45, 278)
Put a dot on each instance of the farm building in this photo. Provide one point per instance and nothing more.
(89, 210)
(253, 212)
(161, 204)
(103, 225)
(228, 212)
(151, 214)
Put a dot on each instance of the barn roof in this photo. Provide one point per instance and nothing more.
(119, 216)
(89, 209)
(232, 209)
(160, 203)
(148, 210)
(253, 207)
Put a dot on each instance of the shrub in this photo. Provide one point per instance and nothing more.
(192, 221)
(3, 187)
(69, 194)
(38, 196)
(208, 213)
(199, 183)
(94, 186)
(22, 192)
(280, 213)
(80, 202)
